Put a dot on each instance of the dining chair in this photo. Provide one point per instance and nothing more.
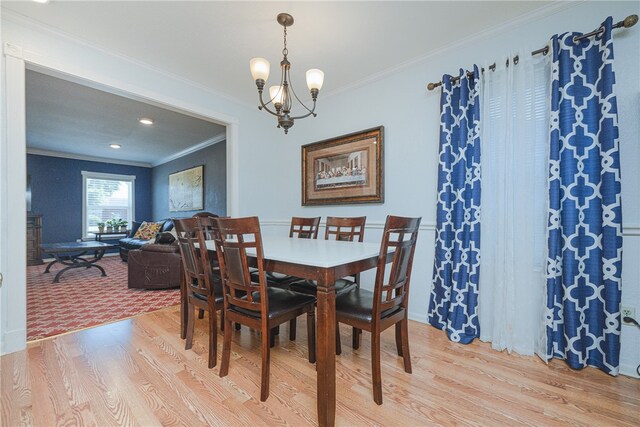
(203, 214)
(304, 228)
(202, 281)
(251, 303)
(344, 229)
(388, 304)
(301, 228)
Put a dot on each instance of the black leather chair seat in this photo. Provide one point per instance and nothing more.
(358, 304)
(311, 286)
(280, 301)
(219, 298)
(278, 280)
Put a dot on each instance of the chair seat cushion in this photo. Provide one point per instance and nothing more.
(275, 279)
(202, 297)
(280, 301)
(358, 305)
(311, 286)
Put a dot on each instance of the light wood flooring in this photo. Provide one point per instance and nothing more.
(137, 373)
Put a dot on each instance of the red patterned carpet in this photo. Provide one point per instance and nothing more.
(84, 298)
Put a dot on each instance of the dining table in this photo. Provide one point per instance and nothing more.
(323, 261)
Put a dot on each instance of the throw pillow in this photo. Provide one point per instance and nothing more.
(147, 230)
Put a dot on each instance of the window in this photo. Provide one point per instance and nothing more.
(106, 196)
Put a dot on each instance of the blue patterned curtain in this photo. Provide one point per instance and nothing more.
(584, 262)
(453, 304)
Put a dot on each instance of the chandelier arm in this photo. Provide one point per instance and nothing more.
(301, 103)
(308, 114)
(265, 108)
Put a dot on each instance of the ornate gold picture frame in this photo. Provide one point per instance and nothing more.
(344, 170)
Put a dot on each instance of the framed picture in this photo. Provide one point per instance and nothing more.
(186, 191)
(346, 169)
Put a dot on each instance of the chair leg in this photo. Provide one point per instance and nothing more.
(399, 338)
(221, 320)
(356, 338)
(292, 329)
(213, 339)
(200, 313)
(266, 349)
(226, 349)
(311, 334)
(375, 367)
(405, 345)
(272, 338)
(338, 344)
(190, 326)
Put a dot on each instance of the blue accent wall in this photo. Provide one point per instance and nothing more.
(56, 193)
(214, 159)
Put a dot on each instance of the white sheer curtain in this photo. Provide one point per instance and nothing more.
(515, 100)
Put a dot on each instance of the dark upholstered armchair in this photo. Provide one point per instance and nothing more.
(155, 266)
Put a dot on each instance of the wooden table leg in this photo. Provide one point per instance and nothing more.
(326, 349)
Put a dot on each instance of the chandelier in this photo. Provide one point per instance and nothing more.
(281, 96)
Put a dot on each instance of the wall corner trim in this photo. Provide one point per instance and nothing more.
(11, 49)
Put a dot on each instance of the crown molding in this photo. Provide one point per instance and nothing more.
(51, 153)
(218, 138)
(33, 24)
(537, 14)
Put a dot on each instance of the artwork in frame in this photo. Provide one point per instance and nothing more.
(343, 170)
(186, 191)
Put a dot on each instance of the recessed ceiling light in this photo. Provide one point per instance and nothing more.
(41, 1)
(116, 146)
(146, 121)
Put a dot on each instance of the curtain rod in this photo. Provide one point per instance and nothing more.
(628, 22)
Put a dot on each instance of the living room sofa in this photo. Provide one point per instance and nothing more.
(128, 243)
(155, 266)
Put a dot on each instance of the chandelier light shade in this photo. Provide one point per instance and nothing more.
(281, 96)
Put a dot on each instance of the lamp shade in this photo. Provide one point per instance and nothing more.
(275, 93)
(315, 78)
(259, 68)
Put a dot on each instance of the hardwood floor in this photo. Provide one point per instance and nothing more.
(136, 372)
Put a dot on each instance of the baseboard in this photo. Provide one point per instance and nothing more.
(422, 318)
(629, 370)
(13, 341)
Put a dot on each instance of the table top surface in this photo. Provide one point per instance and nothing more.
(75, 246)
(313, 252)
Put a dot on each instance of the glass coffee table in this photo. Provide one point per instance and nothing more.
(75, 255)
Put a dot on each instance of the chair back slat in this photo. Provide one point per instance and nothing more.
(206, 230)
(198, 277)
(401, 235)
(346, 229)
(233, 237)
(304, 228)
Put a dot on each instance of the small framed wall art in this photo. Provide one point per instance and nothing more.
(186, 190)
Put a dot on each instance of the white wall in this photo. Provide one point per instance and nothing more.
(27, 44)
(267, 180)
(410, 115)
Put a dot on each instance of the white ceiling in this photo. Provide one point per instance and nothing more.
(65, 117)
(210, 43)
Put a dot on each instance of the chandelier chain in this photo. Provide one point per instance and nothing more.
(285, 51)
